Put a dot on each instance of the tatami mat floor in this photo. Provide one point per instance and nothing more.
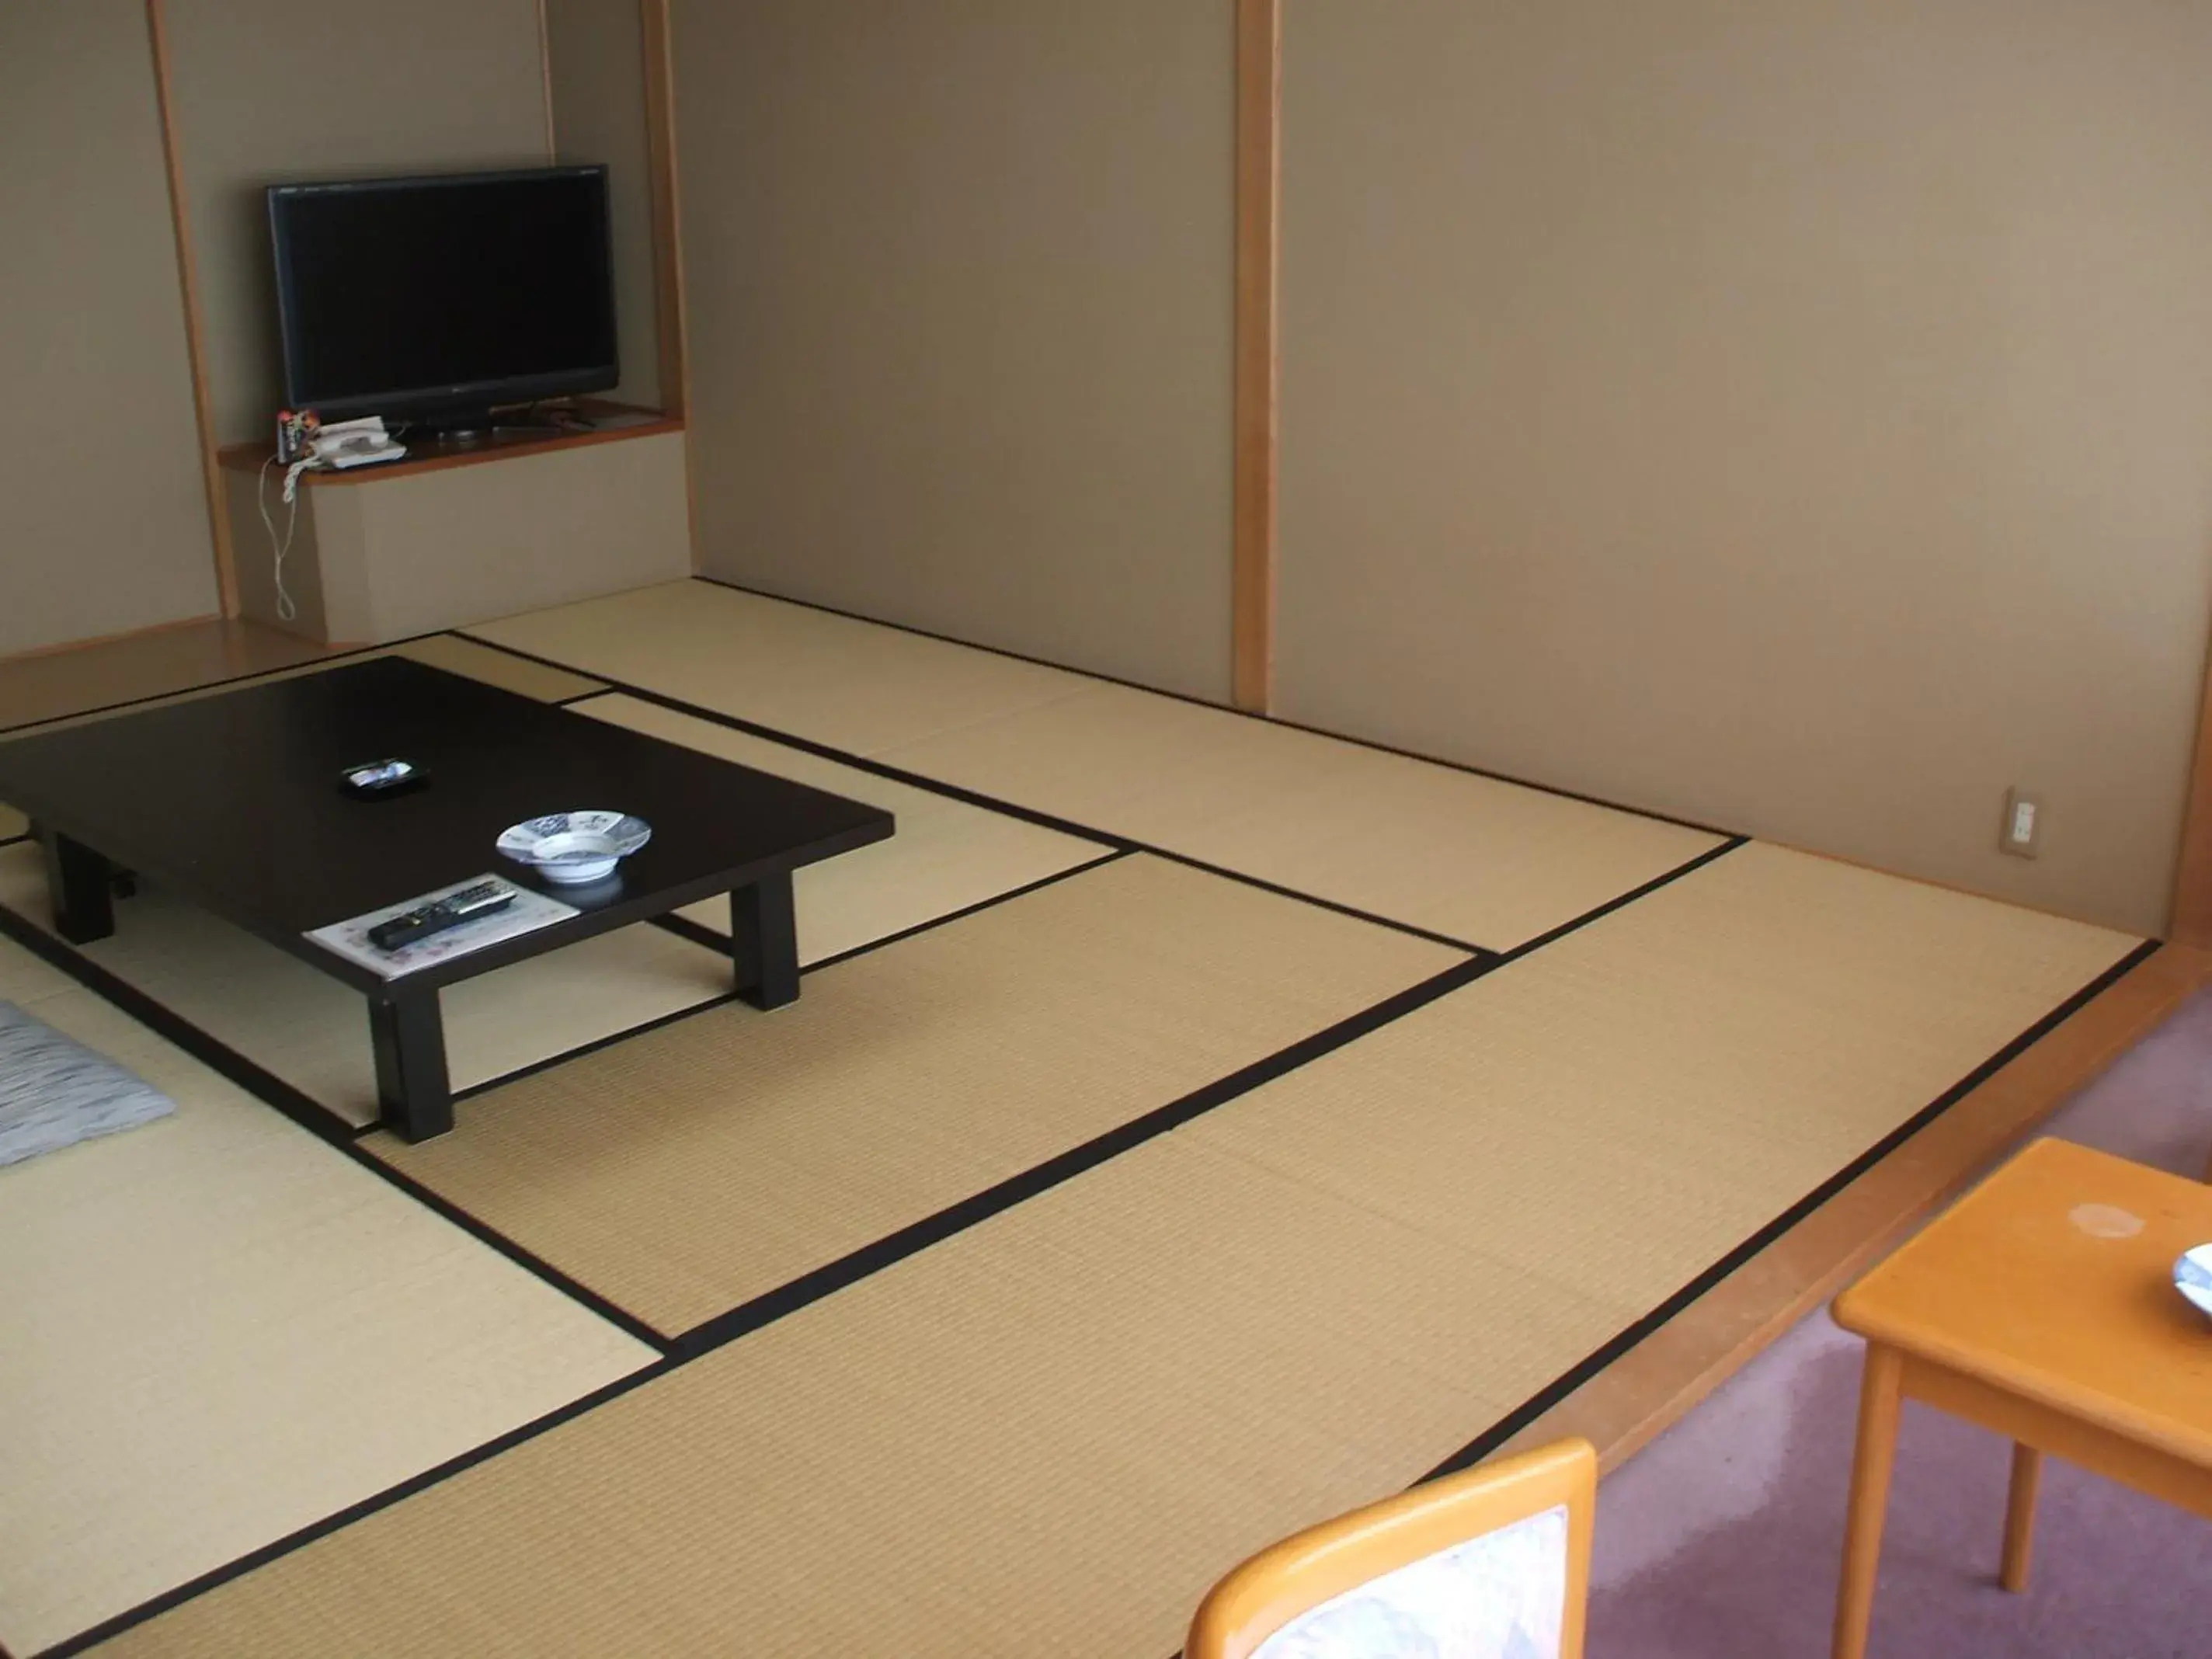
(748, 1152)
(447, 651)
(853, 685)
(219, 1330)
(47, 685)
(312, 1032)
(1068, 1418)
(1472, 858)
(946, 856)
(309, 1030)
(1113, 1211)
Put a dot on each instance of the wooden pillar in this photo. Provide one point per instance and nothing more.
(1259, 249)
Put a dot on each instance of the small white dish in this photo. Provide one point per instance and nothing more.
(2192, 1277)
(574, 848)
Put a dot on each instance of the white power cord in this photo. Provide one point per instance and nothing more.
(286, 610)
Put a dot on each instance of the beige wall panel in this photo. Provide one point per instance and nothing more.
(598, 67)
(445, 549)
(387, 558)
(103, 516)
(959, 281)
(1796, 417)
(266, 93)
(346, 579)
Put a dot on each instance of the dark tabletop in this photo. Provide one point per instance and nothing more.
(233, 799)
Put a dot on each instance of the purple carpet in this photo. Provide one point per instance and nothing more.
(1722, 1540)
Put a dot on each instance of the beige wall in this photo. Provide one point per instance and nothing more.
(388, 558)
(959, 291)
(1798, 418)
(597, 61)
(265, 93)
(103, 517)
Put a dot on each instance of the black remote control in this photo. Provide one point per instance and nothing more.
(451, 911)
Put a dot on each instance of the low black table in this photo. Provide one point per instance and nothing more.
(234, 802)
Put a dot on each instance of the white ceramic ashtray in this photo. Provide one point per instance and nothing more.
(2192, 1276)
(574, 848)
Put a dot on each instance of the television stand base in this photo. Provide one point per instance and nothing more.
(462, 530)
(479, 425)
(460, 423)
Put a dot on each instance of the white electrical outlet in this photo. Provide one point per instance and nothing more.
(2022, 831)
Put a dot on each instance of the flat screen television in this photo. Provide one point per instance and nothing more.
(438, 297)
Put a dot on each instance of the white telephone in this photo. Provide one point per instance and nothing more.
(355, 443)
(341, 444)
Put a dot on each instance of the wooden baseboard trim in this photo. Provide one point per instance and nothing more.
(1939, 881)
(59, 646)
(1659, 1380)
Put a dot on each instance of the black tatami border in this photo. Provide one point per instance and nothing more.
(331, 659)
(308, 665)
(327, 1126)
(684, 927)
(303, 1108)
(692, 933)
(722, 1329)
(276, 1549)
(1203, 702)
(1484, 1444)
(1065, 1166)
(813, 1287)
(310, 1115)
(977, 798)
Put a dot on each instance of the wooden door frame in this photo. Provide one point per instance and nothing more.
(656, 34)
(2190, 921)
(218, 511)
(1258, 351)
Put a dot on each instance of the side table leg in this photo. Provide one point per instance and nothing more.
(413, 1094)
(1881, 1399)
(2019, 1516)
(764, 942)
(79, 883)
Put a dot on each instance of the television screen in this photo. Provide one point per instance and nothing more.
(413, 295)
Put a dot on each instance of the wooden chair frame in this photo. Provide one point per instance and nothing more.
(1284, 1580)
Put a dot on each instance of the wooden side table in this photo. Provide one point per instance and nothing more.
(2042, 1306)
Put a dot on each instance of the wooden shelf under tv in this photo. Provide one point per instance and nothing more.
(431, 455)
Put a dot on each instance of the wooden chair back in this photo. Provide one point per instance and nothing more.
(1282, 1584)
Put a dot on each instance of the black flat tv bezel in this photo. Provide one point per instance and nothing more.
(428, 400)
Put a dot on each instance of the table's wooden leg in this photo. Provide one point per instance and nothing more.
(1881, 1399)
(2019, 1516)
(764, 942)
(414, 1094)
(79, 885)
